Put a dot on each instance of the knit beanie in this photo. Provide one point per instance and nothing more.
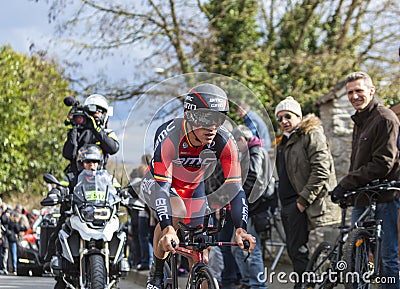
(289, 104)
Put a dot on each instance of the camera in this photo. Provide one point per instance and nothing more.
(78, 114)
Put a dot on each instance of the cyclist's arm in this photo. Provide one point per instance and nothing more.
(161, 176)
(239, 210)
(161, 203)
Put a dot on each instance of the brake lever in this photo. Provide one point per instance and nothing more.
(246, 245)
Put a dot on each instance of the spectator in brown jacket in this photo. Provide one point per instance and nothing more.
(375, 155)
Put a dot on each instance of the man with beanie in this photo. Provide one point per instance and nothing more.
(306, 175)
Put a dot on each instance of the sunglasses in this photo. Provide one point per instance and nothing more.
(100, 109)
(286, 115)
(92, 109)
(91, 161)
(206, 118)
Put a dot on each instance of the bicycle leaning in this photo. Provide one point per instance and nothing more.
(355, 258)
(194, 241)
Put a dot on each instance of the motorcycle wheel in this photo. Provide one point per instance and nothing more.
(97, 272)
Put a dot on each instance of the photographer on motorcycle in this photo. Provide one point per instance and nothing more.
(91, 182)
(90, 157)
(88, 125)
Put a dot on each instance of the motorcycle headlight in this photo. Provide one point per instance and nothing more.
(92, 213)
(88, 213)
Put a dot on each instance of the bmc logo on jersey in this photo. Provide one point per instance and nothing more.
(195, 162)
(164, 133)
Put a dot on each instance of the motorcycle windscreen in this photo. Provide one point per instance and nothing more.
(95, 187)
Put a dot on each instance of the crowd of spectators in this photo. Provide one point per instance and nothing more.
(14, 223)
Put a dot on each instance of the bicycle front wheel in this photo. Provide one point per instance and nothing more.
(318, 267)
(357, 253)
(203, 279)
(168, 275)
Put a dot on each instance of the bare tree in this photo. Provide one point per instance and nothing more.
(304, 47)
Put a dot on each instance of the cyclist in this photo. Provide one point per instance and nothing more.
(185, 150)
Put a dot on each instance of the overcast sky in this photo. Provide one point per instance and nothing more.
(23, 22)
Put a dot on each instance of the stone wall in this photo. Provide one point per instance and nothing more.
(335, 116)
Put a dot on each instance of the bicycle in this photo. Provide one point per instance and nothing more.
(194, 241)
(273, 237)
(354, 259)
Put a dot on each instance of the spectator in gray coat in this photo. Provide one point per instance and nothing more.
(255, 123)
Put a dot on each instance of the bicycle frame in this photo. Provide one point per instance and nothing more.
(193, 249)
(196, 255)
(336, 250)
(267, 241)
(366, 222)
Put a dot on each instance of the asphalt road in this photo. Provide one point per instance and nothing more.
(278, 279)
(24, 282)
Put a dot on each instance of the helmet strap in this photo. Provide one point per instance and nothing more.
(195, 136)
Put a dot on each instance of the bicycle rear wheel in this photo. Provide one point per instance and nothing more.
(203, 279)
(318, 267)
(357, 253)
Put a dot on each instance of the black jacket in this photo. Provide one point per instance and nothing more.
(13, 230)
(4, 229)
(76, 138)
(374, 154)
(256, 173)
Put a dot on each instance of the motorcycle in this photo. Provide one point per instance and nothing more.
(29, 261)
(92, 238)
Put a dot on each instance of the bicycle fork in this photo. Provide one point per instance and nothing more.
(375, 243)
(174, 273)
(378, 248)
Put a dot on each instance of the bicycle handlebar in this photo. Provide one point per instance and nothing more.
(208, 244)
(173, 243)
(375, 186)
(200, 246)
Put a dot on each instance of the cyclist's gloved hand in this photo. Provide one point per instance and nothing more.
(94, 124)
(337, 194)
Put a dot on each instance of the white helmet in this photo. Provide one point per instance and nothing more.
(98, 100)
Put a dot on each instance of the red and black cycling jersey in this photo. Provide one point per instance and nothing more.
(180, 168)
